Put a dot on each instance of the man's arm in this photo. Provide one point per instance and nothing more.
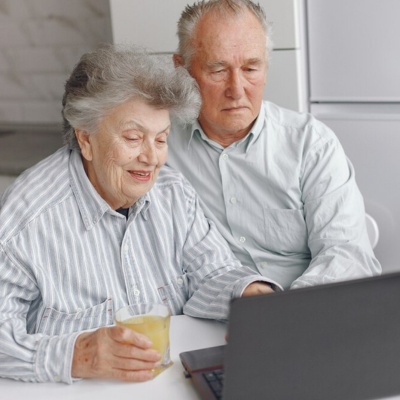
(215, 275)
(335, 218)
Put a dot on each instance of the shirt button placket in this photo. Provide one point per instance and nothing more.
(134, 292)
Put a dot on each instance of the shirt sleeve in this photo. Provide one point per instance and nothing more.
(335, 218)
(28, 356)
(214, 274)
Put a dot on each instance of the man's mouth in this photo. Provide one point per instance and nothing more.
(238, 108)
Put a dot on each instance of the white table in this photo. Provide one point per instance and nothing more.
(186, 334)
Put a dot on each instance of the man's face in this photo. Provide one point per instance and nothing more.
(123, 158)
(229, 64)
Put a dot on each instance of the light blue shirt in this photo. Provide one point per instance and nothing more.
(284, 197)
(68, 261)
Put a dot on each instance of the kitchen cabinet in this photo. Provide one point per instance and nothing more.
(152, 24)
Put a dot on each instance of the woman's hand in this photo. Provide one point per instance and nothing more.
(114, 353)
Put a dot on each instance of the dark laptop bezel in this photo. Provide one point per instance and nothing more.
(380, 294)
(363, 362)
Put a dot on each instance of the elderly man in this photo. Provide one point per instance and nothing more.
(277, 183)
(99, 225)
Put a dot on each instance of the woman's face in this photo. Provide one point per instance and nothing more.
(123, 158)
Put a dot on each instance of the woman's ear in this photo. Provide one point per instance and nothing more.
(85, 144)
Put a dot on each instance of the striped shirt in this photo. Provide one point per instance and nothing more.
(284, 197)
(68, 261)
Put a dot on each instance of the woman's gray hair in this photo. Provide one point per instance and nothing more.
(192, 14)
(114, 74)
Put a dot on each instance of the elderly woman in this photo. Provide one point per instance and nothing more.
(99, 225)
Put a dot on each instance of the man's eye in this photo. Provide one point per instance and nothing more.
(218, 75)
(251, 69)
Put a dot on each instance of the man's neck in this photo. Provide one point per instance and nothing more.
(225, 138)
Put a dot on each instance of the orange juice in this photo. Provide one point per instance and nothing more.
(152, 320)
(156, 328)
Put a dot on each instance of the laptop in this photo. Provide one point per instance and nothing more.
(331, 342)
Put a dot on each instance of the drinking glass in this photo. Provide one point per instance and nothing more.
(152, 320)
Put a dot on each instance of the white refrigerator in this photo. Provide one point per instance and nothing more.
(354, 87)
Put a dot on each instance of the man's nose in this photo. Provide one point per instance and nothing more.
(235, 88)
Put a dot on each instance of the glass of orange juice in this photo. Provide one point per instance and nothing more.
(152, 320)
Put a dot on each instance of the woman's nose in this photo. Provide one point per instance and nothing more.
(148, 154)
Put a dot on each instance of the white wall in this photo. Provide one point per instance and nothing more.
(40, 42)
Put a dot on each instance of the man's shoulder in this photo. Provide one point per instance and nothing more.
(33, 192)
(290, 118)
(284, 116)
(304, 123)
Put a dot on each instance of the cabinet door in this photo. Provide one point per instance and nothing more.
(148, 23)
(354, 51)
(284, 86)
(283, 15)
(152, 23)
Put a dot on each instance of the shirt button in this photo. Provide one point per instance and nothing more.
(225, 156)
(242, 239)
(57, 378)
(179, 281)
(233, 200)
(136, 292)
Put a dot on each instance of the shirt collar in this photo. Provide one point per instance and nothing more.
(248, 140)
(91, 205)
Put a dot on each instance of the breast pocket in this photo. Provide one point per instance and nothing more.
(285, 231)
(54, 322)
(174, 293)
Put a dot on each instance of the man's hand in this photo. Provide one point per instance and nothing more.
(114, 353)
(257, 288)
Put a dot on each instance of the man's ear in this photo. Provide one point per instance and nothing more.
(178, 60)
(85, 144)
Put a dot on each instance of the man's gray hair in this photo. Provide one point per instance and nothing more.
(114, 74)
(192, 14)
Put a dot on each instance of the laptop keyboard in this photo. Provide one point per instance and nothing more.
(215, 380)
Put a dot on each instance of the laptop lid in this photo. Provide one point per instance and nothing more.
(336, 341)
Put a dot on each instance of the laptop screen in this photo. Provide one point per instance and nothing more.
(337, 341)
